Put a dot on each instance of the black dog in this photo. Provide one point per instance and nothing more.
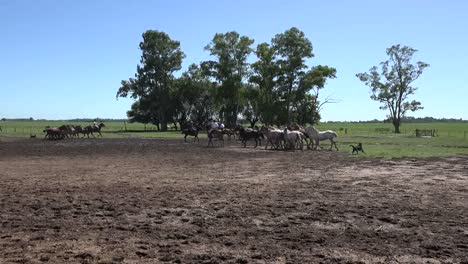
(357, 148)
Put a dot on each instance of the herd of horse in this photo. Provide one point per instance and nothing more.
(290, 138)
(72, 131)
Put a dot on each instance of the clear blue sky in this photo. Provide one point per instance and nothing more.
(65, 59)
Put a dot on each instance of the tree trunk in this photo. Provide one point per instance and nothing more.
(396, 124)
(252, 122)
(231, 116)
(163, 126)
(287, 108)
(162, 120)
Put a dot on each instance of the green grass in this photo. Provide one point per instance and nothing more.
(452, 139)
(391, 146)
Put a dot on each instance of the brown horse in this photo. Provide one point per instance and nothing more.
(248, 134)
(53, 133)
(216, 134)
(193, 131)
(230, 133)
(94, 128)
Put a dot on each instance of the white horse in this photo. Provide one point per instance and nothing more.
(293, 139)
(274, 137)
(318, 136)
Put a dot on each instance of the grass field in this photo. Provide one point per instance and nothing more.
(377, 138)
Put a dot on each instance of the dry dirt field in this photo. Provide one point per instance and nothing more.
(165, 201)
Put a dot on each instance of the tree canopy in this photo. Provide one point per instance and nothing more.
(278, 87)
(161, 57)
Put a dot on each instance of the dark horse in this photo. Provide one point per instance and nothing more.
(191, 131)
(248, 134)
(91, 129)
(218, 135)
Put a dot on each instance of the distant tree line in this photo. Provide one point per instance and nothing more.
(279, 87)
(410, 119)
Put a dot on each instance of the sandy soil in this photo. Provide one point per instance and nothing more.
(165, 201)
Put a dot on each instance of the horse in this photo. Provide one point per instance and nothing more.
(294, 127)
(230, 133)
(53, 133)
(67, 130)
(92, 129)
(217, 134)
(78, 130)
(275, 137)
(247, 134)
(192, 131)
(293, 139)
(318, 136)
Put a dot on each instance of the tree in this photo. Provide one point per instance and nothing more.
(292, 48)
(251, 107)
(392, 85)
(229, 70)
(192, 97)
(289, 91)
(141, 112)
(161, 57)
(307, 101)
(264, 74)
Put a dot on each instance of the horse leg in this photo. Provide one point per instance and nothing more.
(307, 143)
(334, 143)
(256, 143)
(185, 138)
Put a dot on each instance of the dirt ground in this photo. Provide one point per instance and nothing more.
(165, 201)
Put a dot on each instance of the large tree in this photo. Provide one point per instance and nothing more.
(391, 84)
(306, 101)
(229, 70)
(161, 57)
(264, 75)
(292, 49)
(192, 96)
